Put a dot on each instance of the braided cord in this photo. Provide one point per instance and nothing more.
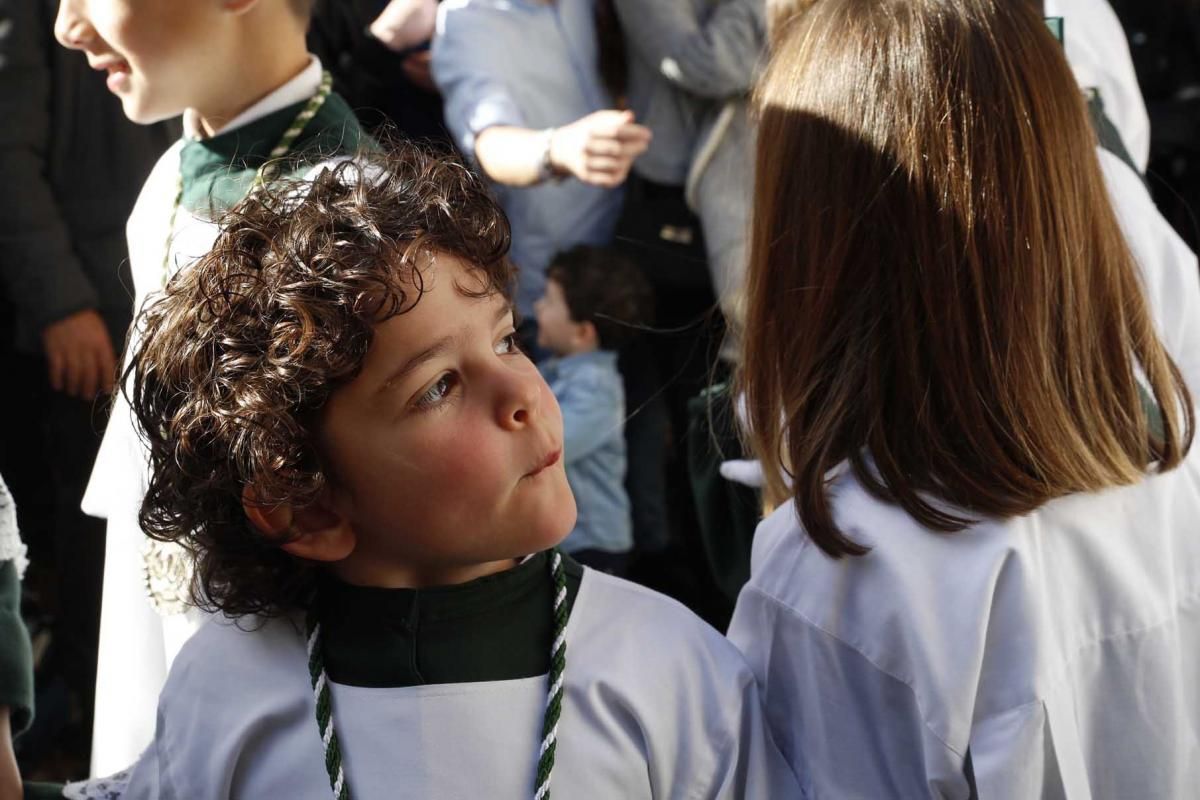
(279, 151)
(558, 664)
(320, 685)
(166, 263)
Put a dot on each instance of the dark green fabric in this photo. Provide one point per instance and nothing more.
(1106, 131)
(494, 628)
(44, 791)
(728, 512)
(218, 172)
(16, 658)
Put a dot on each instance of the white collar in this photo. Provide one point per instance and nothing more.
(296, 90)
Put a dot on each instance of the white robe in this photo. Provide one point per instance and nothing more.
(1098, 53)
(656, 705)
(137, 643)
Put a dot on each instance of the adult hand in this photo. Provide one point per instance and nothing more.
(600, 148)
(10, 776)
(79, 355)
(405, 23)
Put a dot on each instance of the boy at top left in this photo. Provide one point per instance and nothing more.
(252, 98)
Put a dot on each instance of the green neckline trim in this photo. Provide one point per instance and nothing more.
(219, 172)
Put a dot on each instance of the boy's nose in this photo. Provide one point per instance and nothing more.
(520, 398)
(70, 27)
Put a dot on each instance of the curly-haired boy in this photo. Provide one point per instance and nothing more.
(369, 474)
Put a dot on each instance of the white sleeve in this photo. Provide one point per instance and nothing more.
(1170, 274)
(464, 69)
(748, 763)
(848, 728)
(1013, 755)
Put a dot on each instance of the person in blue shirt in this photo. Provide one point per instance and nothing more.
(594, 303)
(526, 100)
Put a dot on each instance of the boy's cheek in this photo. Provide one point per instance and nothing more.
(553, 413)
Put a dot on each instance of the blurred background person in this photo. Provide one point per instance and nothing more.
(526, 100)
(378, 52)
(71, 166)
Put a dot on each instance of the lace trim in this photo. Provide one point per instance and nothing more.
(111, 788)
(167, 570)
(11, 547)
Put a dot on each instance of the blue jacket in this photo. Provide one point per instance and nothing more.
(589, 391)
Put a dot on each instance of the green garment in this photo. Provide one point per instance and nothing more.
(728, 512)
(218, 172)
(494, 628)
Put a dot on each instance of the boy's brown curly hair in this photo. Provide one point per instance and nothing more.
(244, 348)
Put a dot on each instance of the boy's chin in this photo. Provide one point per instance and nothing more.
(142, 113)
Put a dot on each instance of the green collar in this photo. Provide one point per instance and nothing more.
(218, 172)
(494, 628)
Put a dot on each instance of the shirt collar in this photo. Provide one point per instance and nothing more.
(296, 90)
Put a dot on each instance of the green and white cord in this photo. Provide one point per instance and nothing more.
(324, 703)
(558, 665)
(279, 151)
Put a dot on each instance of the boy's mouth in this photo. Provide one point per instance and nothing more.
(549, 461)
(118, 73)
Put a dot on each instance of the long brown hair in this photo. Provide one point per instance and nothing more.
(939, 292)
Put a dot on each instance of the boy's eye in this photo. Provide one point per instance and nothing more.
(508, 345)
(437, 393)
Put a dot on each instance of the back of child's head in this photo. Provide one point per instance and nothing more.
(237, 359)
(604, 288)
(938, 288)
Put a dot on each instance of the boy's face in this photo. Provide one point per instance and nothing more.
(557, 331)
(445, 452)
(159, 54)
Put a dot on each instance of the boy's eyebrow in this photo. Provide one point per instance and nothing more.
(434, 350)
(428, 354)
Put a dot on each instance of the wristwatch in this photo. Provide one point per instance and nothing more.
(546, 168)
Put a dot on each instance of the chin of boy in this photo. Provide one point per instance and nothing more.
(315, 532)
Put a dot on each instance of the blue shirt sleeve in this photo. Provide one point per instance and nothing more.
(465, 57)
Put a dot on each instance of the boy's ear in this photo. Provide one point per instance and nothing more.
(587, 333)
(315, 532)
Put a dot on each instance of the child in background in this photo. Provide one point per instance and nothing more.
(594, 301)
(370, 475)
(240, 73)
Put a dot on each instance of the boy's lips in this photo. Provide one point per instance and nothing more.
(118, 73)
(550, 460)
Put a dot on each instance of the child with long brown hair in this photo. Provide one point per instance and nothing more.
(986, 579)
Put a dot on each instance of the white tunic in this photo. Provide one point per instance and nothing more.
(656, 705)
(1098, 53)
(136, 642)
(1061, 648)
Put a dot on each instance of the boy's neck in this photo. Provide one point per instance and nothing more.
(579, 350)
(249, 83)
(373, 573)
